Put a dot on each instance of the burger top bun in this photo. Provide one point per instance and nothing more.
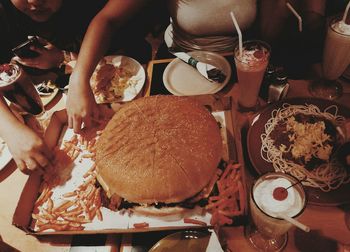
(158, 149)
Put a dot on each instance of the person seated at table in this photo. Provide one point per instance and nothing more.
(202, 25)
(48, 19)
(81, 106)
(54, 21)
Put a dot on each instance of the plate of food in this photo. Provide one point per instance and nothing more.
(188, 240)
(117, 79)
(182, 79)
(305, 138)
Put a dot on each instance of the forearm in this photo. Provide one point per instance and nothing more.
(98, 36)
(8, 120)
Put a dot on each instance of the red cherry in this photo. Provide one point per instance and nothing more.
(280, 193)
(259, 54)
(1, 68)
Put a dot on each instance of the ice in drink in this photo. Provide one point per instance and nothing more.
(266, 208)
(18, 88)
(251, 66)
(336, 55)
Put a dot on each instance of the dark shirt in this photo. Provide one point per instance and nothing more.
(65, 29)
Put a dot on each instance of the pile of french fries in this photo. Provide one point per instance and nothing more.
(75, 208)
(230, 201)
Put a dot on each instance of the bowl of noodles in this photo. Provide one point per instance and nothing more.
(302, 137)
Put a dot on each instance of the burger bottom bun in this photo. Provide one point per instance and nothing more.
(167, 213)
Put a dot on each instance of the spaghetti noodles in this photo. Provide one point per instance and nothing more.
(306, 141)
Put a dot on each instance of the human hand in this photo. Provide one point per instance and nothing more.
(81, 105)
(49, 56)
(28, 149)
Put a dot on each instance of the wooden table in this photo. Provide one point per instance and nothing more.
(327, 223)
(328, 228)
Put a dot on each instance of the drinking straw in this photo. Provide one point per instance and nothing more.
(300, 21)
(295, 222)
(240, 43)
(346, 11)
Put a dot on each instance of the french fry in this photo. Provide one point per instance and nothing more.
(89, 155)
(49, 205)
(141, 225)
(70, 194)
(193, 221)
(63, 206)
(55, 227)
(99, 215)
(43, 198)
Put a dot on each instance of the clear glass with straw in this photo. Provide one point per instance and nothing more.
(251, 59)
(336, 58)
(271, 217)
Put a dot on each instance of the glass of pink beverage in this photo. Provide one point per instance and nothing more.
(251, 66)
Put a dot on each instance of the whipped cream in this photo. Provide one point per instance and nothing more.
(263, 196)
(341, 27)
(254, 56)
(9, 76)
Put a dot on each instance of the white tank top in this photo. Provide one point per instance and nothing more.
(207, 24)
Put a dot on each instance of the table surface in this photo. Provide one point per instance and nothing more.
(328, 228)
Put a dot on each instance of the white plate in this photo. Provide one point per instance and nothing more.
(138, 77)
(182, 79)
(5, 155)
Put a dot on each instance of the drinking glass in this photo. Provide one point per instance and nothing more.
(336, 58)
(251, 66)
(18, 88)
(268, 231)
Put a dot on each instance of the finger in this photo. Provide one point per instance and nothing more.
(22, 166)
(31, 164)
(48, 153)
(87, 121)
(38, 49)
(27, 61)
(96, 112)
(77, 124)
(41, 160)
(42, 41)
(70, 122)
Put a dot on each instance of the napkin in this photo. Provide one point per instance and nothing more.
(210, 72)
(214, 244)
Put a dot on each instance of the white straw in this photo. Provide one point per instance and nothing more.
(300, 21)
(346, 11)
(240, 43)
(295, 222)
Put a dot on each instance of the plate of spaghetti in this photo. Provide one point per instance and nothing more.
(302, 137)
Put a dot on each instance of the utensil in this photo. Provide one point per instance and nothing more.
(209, 71)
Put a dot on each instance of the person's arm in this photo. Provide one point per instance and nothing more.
(81, 106)
(28, 149)
(49, 56)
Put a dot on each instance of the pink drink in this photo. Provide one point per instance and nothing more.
(336, 55)
(251, 66)
(18, 88)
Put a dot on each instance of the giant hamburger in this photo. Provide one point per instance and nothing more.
(158, 151)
